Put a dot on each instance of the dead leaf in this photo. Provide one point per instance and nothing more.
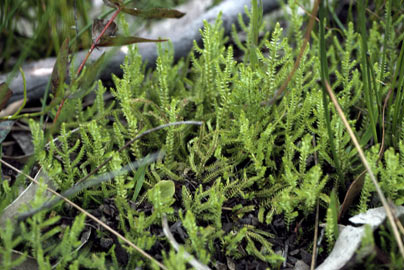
(12, 108)
(301, 265)
(24, 140)
(350, 237)
(5, 127)
(98, 27)
(113, 3)
(60, 71)
(25, 198)
(5, 94)
(353, 191)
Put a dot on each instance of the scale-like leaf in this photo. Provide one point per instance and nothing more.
(124, 40)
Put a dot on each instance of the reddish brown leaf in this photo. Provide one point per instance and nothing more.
(353, 191)
(113, 3)
(122, 40)
(61, 69)
(5, 94)
(154, 13)
(99, 25)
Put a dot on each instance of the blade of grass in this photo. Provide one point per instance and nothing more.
(398, 102)
(23, 55)
(372, 77)
(327, 87)
(324, 77)
(335, 16)
(139, 178)
(7, 14)
(367, 85)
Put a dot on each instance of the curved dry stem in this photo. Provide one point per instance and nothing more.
(382, 198)
(102, 224)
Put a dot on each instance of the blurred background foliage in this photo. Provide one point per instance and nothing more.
(35, 29)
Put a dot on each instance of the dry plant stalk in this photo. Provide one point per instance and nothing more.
(382, 198)
(102, 224)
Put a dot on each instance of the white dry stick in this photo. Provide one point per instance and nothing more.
(195, 263)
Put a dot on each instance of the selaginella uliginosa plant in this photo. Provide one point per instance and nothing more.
(246, 160)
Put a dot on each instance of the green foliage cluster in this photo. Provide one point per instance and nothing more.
(269, 162)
